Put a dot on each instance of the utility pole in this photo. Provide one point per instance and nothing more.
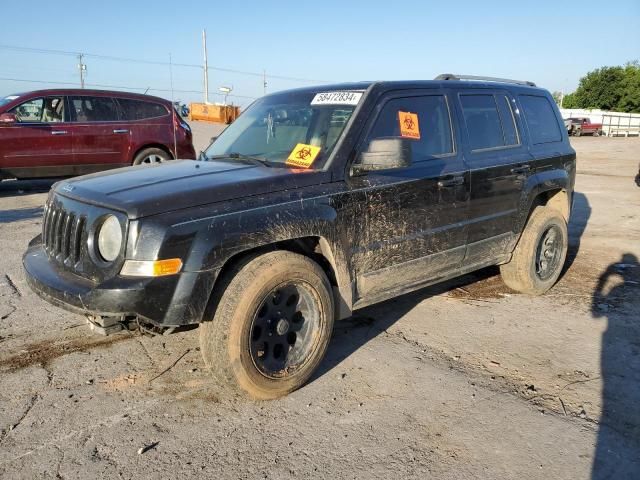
(264, 81)
(82, 68)
(206, 67)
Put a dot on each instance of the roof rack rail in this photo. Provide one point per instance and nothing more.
(451, 76)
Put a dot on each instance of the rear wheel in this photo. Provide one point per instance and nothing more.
(540, 254)
(272, 326)
(150, 156)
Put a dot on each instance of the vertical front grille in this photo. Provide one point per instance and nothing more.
(62, 233)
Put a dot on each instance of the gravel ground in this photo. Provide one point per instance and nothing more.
(464, 380)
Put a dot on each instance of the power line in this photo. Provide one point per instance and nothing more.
(153, 62)
(123, 87)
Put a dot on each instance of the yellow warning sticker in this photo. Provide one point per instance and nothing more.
(409, 126)
(303, 155)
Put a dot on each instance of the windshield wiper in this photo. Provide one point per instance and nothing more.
(246, 158)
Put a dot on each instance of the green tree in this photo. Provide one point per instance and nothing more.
(630, 95)
(608, 88)
(569, 101)
(600, 88)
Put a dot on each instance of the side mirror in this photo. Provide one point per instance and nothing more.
(384, 154)
(7, 118)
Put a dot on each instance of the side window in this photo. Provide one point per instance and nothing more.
(483, 121)
(46, 110)
(425, 120)
(542, 121)
(509, 128)
(140, 109)
(93, 109)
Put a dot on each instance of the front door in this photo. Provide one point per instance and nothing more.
(413, 218)
(100, 138)
(39, 143)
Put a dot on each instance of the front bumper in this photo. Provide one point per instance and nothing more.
(164, 301)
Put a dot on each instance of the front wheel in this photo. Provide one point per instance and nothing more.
(540, 254)
(271, 327)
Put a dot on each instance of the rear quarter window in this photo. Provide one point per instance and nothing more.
(541, 119)
(141, 109)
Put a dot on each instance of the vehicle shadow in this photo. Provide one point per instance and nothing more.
(580, 215)
(617, 298)
(12, 188)
(19, 214)
(351, 334)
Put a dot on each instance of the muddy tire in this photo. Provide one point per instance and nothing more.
(271, 327)
(540, 254)
(151, 156)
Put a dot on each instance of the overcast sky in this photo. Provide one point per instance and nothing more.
(550, 42)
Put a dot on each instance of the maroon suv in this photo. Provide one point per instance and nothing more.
(55, 133)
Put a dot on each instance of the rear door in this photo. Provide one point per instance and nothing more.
(100, 138)
(414, 217)
(497, 154)
(150, 123)
(39, 143)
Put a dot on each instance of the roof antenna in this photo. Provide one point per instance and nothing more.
(145, 92)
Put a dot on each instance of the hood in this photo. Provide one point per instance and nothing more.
(146, 190)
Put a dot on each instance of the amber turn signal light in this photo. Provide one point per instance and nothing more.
(151, 268)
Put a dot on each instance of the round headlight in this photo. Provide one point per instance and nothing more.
(110, 239)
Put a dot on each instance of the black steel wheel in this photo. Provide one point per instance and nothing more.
(282, 332)
(540, 254)
(271, 326)
(549, 252)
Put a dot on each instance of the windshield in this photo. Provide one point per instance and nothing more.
(5, 100)
(291, 129)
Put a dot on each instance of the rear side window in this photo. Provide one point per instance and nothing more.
(425, 120)
(489, 120)
(508, 120)
(93, 109)
(140, 109)
(542, 121)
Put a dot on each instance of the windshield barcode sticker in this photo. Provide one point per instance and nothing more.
(337, 98)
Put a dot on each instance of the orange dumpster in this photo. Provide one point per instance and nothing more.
(213, 113)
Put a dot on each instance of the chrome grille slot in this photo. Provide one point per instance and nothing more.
(62, 233)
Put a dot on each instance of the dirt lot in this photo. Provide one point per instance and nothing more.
(466, 380)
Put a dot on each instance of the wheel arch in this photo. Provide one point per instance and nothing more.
(315, 247)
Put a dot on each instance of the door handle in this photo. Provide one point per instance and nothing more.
(521, 169)
(58, 132)
(453, 182)
(121, 131)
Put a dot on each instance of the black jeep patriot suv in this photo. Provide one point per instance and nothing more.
(315, 202)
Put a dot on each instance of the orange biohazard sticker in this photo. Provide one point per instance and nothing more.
(303, 155)
(409, 126)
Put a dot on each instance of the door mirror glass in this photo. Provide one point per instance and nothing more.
(384, 154)
(8, 118)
